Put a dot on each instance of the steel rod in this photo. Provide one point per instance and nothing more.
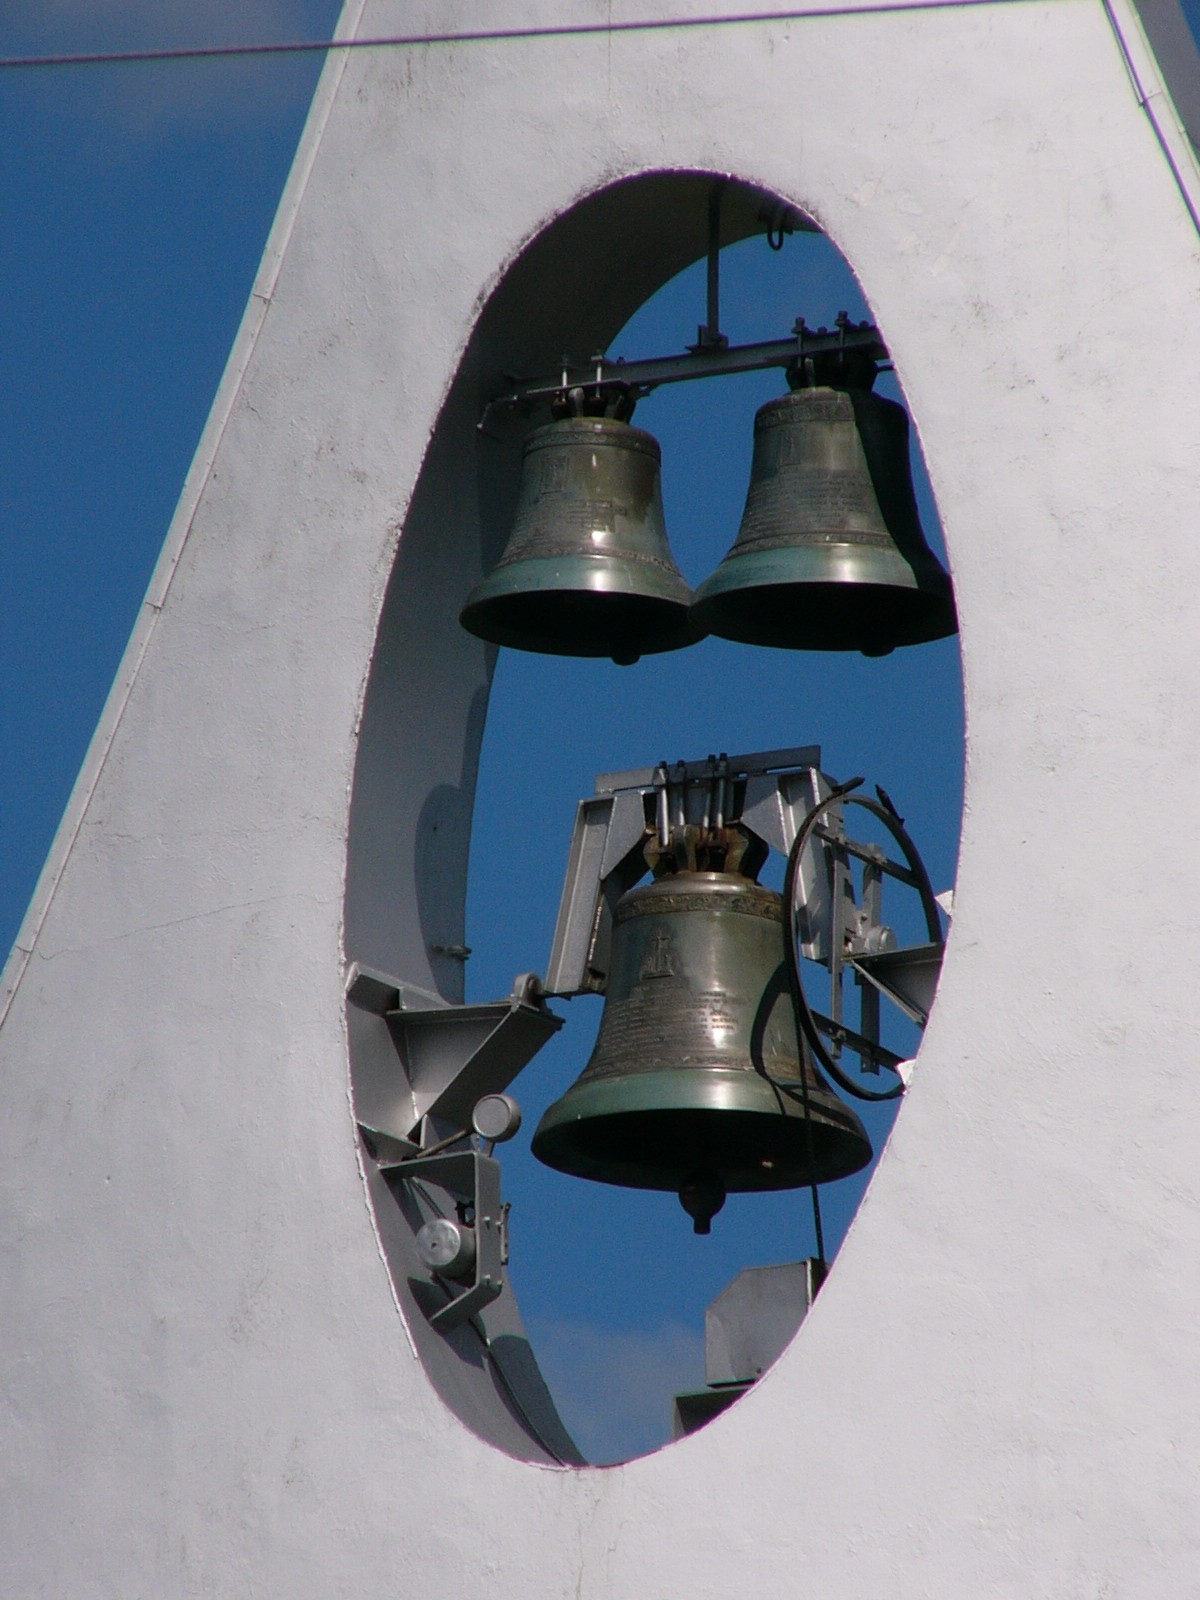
(643, 376)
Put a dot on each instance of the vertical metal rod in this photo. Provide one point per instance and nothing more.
(872, 905)
(663, 803)
(709, 336)
(837, 930)
(713, 319)
(792, 962)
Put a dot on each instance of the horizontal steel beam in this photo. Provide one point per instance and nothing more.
(640, 377)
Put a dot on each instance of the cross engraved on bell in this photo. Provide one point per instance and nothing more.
(657, 961)
(552, 475)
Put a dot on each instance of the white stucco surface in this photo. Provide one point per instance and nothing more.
(207, 1385)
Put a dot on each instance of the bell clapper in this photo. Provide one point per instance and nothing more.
(702, 1196)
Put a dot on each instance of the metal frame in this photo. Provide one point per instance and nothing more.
(906, 975)
(769, 792)
(636, 379)
(776, 796)
(620, 384)
(474, 1180)
(453, 1055)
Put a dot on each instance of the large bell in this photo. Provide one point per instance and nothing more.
(830, 554)
(698, 1082)
(587, 570)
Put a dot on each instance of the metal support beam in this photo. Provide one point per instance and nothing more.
(639, 378)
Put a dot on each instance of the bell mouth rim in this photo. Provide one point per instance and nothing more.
(622, 574)
(836, 565)
(589, 620)
(797, 613)
(653, 1097)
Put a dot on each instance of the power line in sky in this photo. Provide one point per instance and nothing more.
(486, 35)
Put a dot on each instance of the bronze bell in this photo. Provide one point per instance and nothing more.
(830, 554)
(698, 1081)
(587, 570)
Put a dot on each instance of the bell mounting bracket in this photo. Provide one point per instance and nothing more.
(765, 795)
(452, 1060)
(449, 1057)
(860, 943)
(850, 352)
(472, 1180)
(772, 798)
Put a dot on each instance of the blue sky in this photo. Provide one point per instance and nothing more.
(136, 204)
(590, 1265)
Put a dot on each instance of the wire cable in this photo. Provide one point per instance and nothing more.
(566, 30)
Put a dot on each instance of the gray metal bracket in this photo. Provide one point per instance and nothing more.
(908, 977)
(863, 945)
(473, 1178)
(453, 1055)
(769, 792)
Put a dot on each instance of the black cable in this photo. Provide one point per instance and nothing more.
(818, 1230)
(482, 35)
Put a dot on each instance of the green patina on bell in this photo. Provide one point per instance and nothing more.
(830, 554)
(587, 570)
(698, 1079)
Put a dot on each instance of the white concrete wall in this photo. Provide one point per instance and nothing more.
(208, 1388)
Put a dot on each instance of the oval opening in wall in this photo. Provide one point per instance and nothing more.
(642, 1326)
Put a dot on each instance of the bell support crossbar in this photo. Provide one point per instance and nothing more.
(639, 378)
